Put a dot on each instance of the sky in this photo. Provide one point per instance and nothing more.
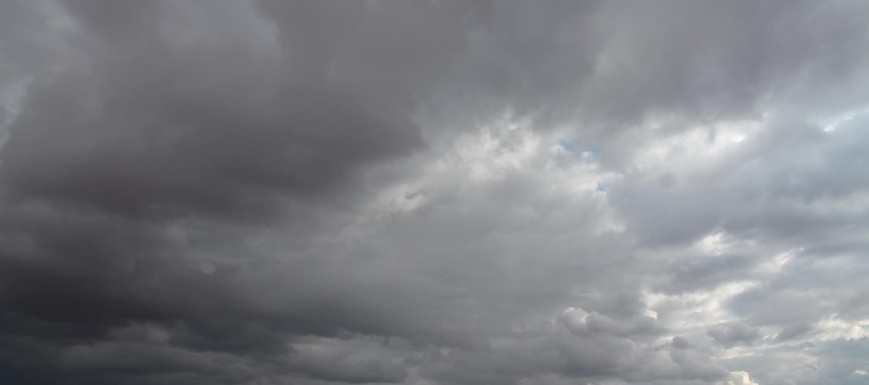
(269, 192)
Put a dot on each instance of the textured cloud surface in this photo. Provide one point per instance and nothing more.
(434, 192)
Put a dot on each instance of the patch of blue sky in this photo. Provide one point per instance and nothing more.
(574, 148)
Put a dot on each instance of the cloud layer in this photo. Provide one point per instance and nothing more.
(434, 192)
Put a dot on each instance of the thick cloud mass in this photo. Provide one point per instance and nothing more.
(434, 192)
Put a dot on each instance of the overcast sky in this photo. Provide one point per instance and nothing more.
(434, 192)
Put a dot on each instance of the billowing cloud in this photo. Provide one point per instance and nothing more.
(434, 192)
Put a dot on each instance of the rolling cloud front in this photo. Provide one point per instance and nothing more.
(434, 192)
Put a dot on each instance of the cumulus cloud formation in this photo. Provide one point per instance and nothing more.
(267, 192)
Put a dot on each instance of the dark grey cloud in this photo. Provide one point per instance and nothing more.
(706, 273)
(732, 335)
(793, 331)
(433, 192)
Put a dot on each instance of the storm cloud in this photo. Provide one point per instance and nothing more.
(434, 192)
